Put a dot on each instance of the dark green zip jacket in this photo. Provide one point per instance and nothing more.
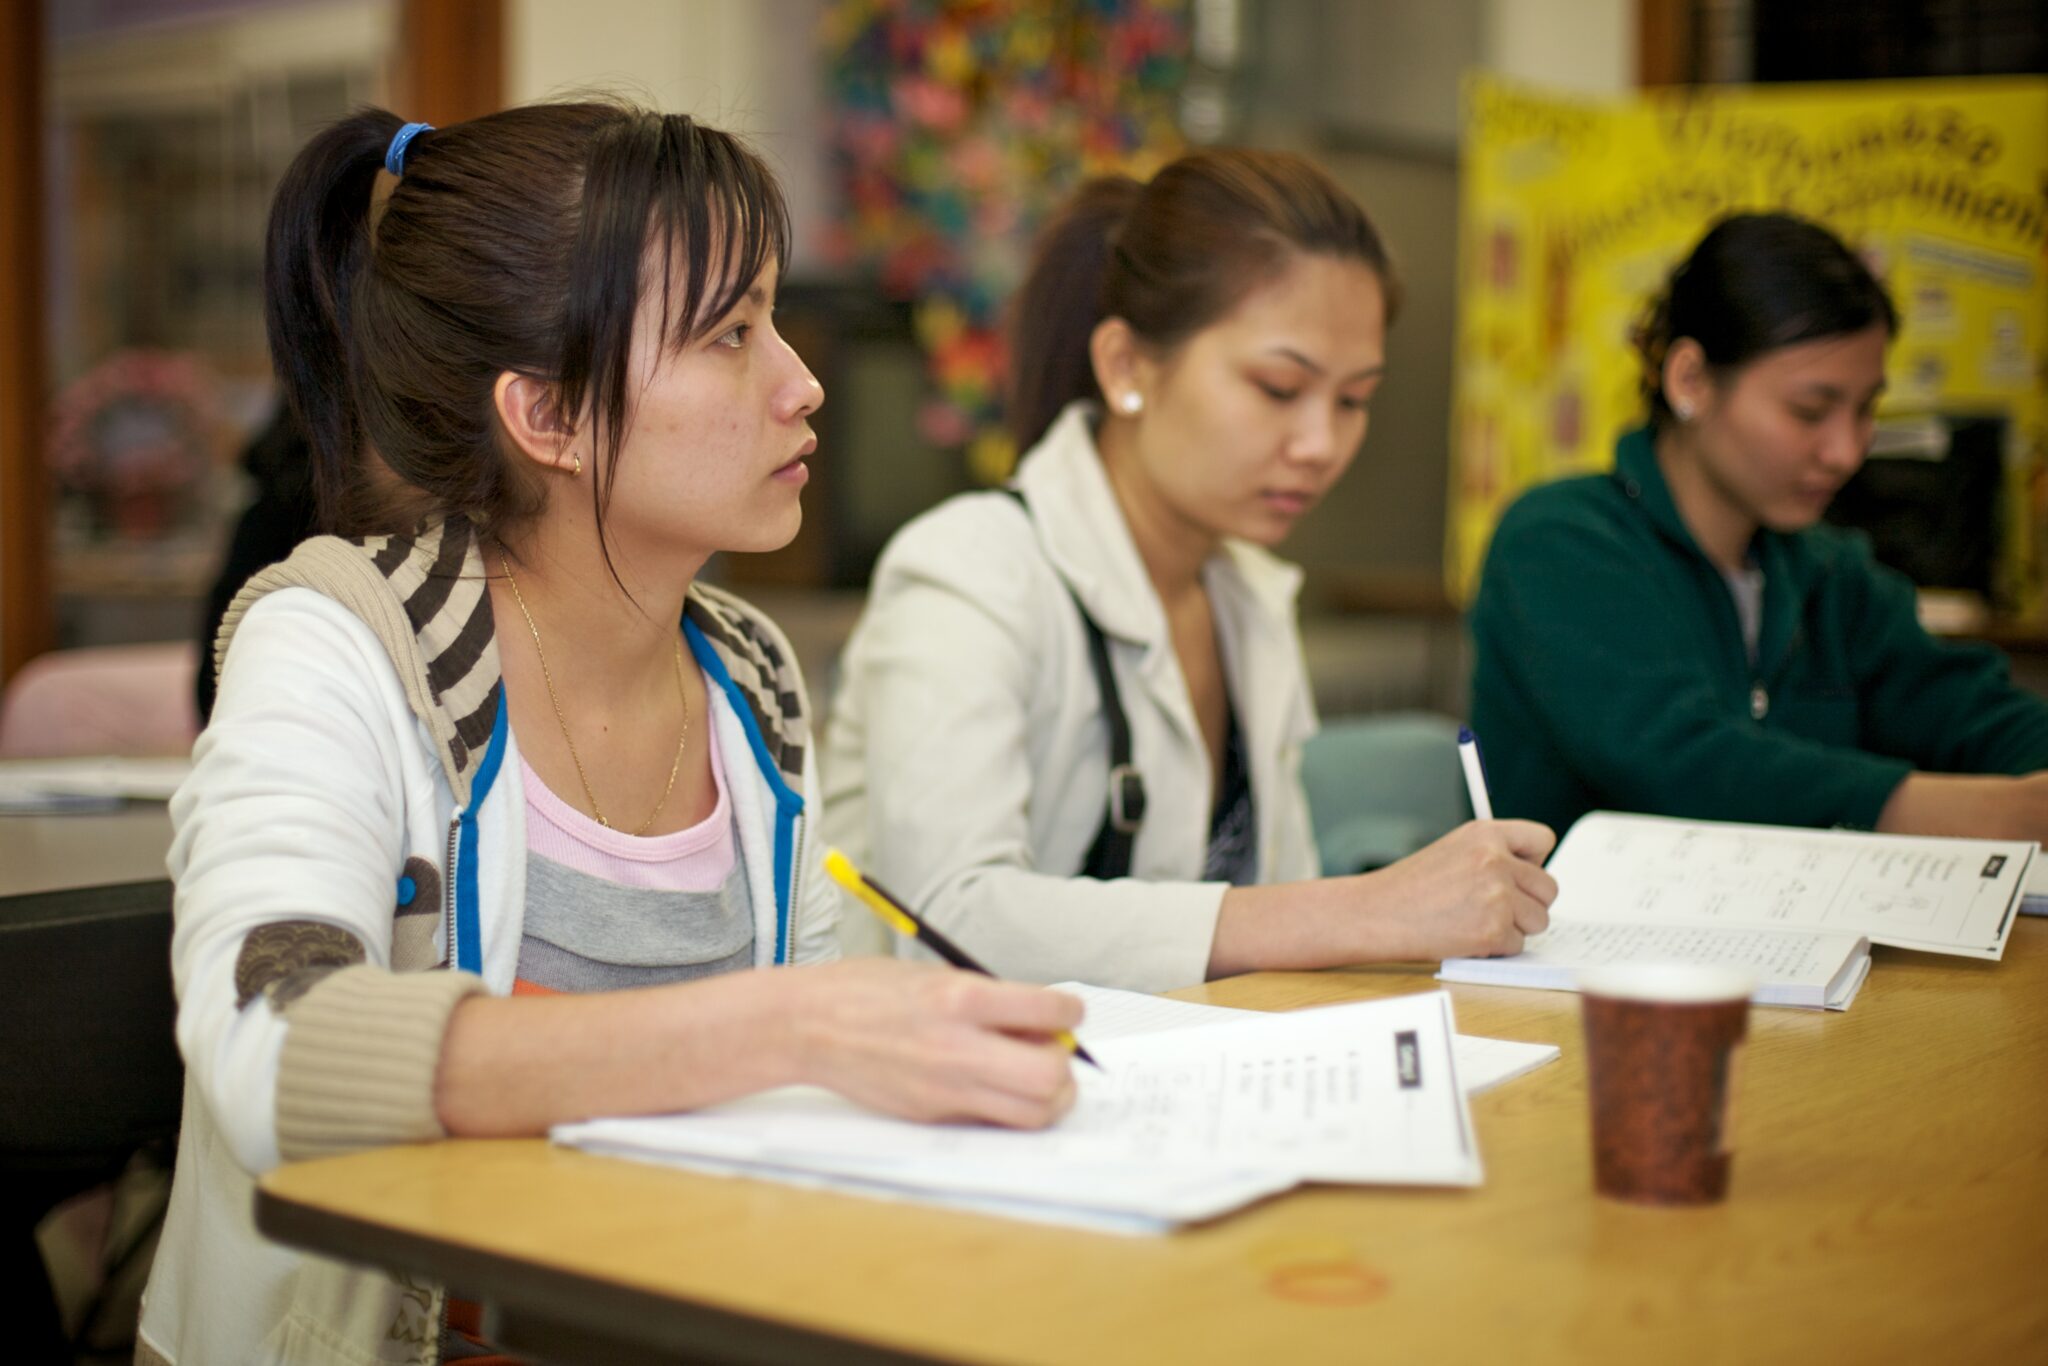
(1610, 671)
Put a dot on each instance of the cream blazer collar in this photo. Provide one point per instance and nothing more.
(1085, 538)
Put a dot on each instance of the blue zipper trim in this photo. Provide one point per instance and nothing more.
(788, 804)
(469, 937)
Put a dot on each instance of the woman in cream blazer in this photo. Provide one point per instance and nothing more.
(1194, 358)
(969, 679)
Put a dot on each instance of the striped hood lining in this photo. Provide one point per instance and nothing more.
(439, 578)
(761, 663)
(424, 597)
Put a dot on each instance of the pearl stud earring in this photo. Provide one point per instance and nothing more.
(1130, 403)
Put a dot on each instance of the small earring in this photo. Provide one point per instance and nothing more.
(1130, 404)
(579, 465)
(1684, 411)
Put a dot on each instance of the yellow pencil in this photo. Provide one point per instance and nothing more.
(901, 919)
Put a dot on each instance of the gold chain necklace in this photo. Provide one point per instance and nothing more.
(563, 722)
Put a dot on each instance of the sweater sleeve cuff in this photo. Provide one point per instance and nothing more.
(1186, 962)
(1161, 941)
(361, 1051)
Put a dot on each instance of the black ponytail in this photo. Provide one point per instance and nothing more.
(319, 239)
(1055, 312)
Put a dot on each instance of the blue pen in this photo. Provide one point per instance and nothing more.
(1475, 774)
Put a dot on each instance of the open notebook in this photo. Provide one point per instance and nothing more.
(1798, 908)
(1818, 971)
(1180, 1124)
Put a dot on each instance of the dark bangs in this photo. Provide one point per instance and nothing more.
(695, 203)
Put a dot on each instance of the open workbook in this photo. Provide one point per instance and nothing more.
(1180, 1124)
(1798, 908)
(1818, 971)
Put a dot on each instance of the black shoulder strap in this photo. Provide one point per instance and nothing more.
(1110, 855)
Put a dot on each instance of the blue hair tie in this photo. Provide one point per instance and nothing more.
(394, 155)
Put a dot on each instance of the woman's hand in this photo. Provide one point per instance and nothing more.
(920, 1041)
(932, 1043)
(1478, 890)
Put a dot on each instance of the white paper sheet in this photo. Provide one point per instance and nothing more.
(1940, 895)
(1485, 1063)
(1362, 1092)
(1482, 1063)
(1179, 1125)
(1226, 1195)
(810, 1137)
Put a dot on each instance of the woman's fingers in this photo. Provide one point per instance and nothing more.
(1012, 1006)
(1538, 889)
(932, 1043)
(994, 1105)
(1529, 840)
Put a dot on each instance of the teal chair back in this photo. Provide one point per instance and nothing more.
(1381, 787)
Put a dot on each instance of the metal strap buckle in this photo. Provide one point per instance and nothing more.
(1126, 799)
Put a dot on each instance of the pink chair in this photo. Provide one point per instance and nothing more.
(115, 699)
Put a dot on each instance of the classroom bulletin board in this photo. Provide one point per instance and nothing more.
(1574, 211)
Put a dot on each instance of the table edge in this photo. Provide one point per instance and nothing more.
(545, 1301)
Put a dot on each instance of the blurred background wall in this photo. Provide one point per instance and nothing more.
(918, 141)
(142, 139)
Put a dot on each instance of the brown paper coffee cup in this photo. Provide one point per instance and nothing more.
(1661, 1045)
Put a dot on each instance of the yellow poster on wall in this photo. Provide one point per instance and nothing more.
(1573, 213)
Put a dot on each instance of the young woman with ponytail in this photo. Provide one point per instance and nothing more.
(1070, 722)
(500, 809)
(1685, 636)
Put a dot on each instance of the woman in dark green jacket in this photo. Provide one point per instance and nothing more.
(1682, 636)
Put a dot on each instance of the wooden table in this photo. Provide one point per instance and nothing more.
(1890, 1203)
